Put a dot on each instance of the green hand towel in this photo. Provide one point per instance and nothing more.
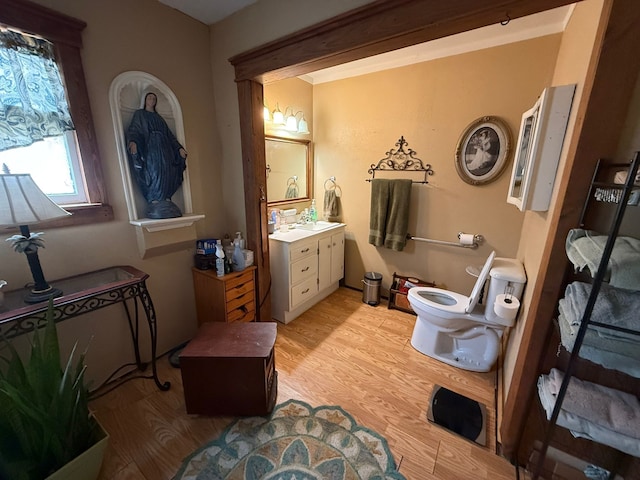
(389, 215)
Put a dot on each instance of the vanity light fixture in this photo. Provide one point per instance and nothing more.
(287, 122)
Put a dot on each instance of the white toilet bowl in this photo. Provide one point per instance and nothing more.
(455, 329)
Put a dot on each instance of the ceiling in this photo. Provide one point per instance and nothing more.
(544, 23)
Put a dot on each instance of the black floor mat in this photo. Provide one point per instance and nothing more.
(458, 414)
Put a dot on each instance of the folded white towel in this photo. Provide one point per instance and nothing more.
(593, 411)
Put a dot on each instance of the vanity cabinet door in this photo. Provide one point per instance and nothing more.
(324, 263)
(337, 256)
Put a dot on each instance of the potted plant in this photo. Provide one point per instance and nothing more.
(46, 428)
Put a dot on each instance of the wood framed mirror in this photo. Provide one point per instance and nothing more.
(288, 170)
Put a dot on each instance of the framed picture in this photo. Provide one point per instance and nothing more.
(483, 150)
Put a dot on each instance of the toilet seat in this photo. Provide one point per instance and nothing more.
(444, 301)
(452, 303)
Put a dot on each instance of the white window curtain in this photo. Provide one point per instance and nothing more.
(33, 104)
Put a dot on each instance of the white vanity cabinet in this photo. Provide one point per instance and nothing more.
(306, 266)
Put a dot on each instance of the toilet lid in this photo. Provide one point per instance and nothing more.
(477, 288)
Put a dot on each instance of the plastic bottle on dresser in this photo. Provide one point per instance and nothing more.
(219, 259)
(240, 239)
(313, 213)
(238, 257)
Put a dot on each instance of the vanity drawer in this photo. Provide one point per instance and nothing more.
(304, 291)
(302, 250)
(305, 268)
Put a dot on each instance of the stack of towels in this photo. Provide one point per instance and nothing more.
(601, 414)
(614, 306)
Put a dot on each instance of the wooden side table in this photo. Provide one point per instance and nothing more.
(229, 369)
(230, 298)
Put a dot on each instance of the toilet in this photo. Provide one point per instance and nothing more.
(462, 331)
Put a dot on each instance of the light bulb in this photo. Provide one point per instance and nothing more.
(292, 124)
(278, 117)
(302, 126)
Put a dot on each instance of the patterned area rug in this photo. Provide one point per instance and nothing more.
(297, 442)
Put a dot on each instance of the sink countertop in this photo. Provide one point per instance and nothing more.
(296, 234)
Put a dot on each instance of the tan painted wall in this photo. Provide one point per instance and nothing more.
(571, 67)
(120, 36)
(358, 120)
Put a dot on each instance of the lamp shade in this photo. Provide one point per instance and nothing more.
(23, 203)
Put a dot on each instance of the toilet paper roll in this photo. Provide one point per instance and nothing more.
(467, 238)
(506, 306)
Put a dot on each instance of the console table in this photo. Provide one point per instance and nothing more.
(83, 294)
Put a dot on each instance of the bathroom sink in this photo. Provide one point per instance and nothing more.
(314, 227)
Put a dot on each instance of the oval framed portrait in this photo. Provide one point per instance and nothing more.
(483, 150)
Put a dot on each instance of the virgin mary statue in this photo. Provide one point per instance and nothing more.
(157, 159)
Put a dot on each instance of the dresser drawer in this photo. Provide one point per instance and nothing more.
(304, 268)
(241, 281)
(245, 312)
(302, 250)
(304, 291)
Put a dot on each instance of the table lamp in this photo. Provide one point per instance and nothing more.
(22, 204)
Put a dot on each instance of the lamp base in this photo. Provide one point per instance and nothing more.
(43, 295)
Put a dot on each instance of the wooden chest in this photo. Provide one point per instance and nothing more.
(230, 298)
(229, 369)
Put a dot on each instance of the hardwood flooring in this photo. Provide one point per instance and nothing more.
(341, 352)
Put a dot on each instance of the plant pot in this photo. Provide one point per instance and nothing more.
(85, 466)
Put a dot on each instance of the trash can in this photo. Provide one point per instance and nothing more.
(371, 290)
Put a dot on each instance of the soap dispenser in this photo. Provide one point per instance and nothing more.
(313, 213)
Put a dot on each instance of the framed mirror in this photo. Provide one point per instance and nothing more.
(288, 170)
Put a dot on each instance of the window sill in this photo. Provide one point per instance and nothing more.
(166, 223)
(82, 215)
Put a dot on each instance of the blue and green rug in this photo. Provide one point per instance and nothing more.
(296, 442)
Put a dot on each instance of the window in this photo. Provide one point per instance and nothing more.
(80, 162)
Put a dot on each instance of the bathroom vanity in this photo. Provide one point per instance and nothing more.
(307, 263)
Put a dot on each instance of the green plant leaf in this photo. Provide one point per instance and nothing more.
(45, 421)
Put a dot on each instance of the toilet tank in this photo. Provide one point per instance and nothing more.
(505, 274)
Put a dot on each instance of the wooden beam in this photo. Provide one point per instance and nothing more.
(376, 28)
(254, 166)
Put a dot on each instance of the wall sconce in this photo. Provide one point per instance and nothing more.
(278, 116)
(289, 122)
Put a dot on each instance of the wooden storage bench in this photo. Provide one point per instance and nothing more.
(229, 369)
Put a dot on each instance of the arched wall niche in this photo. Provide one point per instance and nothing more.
(126, 95)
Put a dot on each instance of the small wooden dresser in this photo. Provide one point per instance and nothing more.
(229, 369)
(230, 298)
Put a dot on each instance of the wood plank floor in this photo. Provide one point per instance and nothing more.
(341, 352)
